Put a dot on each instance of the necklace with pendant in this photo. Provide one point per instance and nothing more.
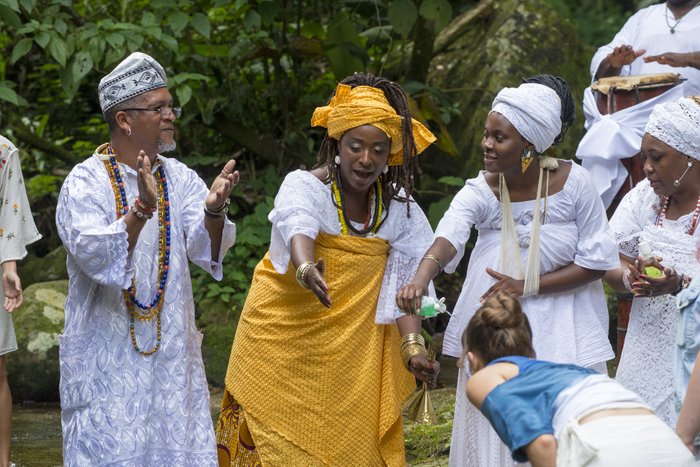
(672, 29)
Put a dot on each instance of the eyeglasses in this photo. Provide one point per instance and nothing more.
(163, 109)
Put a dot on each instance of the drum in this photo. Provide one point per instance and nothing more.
(613, 94)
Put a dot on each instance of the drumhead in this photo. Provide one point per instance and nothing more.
(628, 83)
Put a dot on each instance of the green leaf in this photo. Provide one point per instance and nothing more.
(403, 15)
(170, 42)
(57, 49)
(341, 42)
(184, 94)
(60, 26)
(439, 11)
(201, 23)
(28, 5)
(149, 19)
(115, 39)
(451, 181)
(134, 41)
(12, 4)
(251, 21)
(10, 18)
(42, 39)
(82, 64)
(313, 29)
(21, 49)
(9, 95)
(178, 21)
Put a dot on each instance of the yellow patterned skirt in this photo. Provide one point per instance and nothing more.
(310, 385)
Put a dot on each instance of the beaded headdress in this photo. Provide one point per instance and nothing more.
(534, 110)
(366, 105)
(136, 74)
(678, 125)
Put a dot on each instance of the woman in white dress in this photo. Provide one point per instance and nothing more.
(663, 211)
(552, 260)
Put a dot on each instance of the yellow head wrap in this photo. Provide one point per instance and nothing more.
(364, 105)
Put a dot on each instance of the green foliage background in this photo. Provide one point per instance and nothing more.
(248, 75)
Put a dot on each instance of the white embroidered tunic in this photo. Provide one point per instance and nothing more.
(120, 407)
(304, 205)
(648, 357)
(567, 327)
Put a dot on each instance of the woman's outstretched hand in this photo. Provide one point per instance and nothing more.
(317, 284)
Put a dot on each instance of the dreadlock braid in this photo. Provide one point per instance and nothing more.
(398, 176)
(568, 108)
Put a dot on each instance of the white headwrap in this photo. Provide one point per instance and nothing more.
(136, 74)
(678, 125)
(534, 110)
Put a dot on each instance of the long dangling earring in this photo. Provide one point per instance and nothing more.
(525, 159)
(385, 169)
(678, 182)
(337, 160)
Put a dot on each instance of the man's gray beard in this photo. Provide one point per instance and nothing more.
(166, 147)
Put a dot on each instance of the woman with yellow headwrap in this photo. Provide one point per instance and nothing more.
(318, 368)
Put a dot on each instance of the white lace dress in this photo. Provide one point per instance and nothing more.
(647, 361)
(120, 407)
(568, 327)
(304, 205)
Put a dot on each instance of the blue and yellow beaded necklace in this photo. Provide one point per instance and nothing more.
(163, 207)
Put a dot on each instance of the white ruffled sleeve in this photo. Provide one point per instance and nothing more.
(630, 217)
(87, 225)
(596, 248)
(299, 207)
(465, 210)
(197, 236)
(412, 236)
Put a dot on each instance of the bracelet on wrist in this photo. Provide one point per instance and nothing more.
(683, 283)
(412, 344)
(144, 208)
(220, 212)
(140, 214)
(303, 271)
(435, 260)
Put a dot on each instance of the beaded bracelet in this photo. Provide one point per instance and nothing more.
(221, 212)
(143, 208)
(139, 214)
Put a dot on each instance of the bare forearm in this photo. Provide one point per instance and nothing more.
(302, 249)
(689, 419)
(9, 266)
(542, 452)
(443, 251)
(694, 59)
(215, 227)
(408, 324)
(567, 278)
(606, 69)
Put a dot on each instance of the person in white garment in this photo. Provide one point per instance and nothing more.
(17, 230)
(543, 237)
(662, 38)
(662, 211)
(133, 389)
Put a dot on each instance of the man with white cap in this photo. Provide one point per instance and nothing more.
(133, 388)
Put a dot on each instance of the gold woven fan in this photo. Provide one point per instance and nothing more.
(419, 407)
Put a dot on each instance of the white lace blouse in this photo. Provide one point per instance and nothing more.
(304, 205)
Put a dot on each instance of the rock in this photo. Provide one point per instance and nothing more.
(33, 369)
(492, 46)
(51, 267)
